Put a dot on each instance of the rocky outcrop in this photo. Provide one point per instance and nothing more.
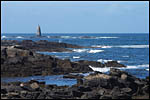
(41, 45)
(28, 63)
(114, 64)
(93, 86)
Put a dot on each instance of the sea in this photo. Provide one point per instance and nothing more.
(130, 49)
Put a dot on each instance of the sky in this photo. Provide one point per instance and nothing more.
(75, 16)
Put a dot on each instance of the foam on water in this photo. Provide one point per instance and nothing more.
(101, 46)
(103, 61)
(95, 51)
(122, 46)
(105, 37)
(79, 50)
(106, 69)
(19, 37)
(3, 37)
(133, 46)
(76, 57)
(138, 66)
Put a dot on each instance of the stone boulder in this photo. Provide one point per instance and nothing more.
(114, 64)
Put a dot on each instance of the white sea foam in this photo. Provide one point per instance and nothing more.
(48, 36)
(137, 66)
(101, 46)
(76, 57)
(95, 51)
(103, 60)
(19, 37)
(3, 37)
(133, 46)
(80, 50)
(122, 46)
(105, 37)
(106, 69)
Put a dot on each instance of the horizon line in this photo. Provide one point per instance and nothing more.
(78, 32)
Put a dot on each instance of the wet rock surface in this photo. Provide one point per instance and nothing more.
(95, 86)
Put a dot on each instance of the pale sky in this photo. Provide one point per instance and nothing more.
(75, 16)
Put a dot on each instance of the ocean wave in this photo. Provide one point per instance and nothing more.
(93, 37)
(19, 37)
(103, 61)
(101, 46)
(105, 37)
(76, 57)
(137, 66)
(87, 50)
(107, 69)
(4, 37)
(79, 50)
(133, 46)
(95, 51)
(121, 46)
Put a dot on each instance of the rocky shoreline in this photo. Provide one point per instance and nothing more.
(26, 62)
(19, 59)
(117, 85)
(42, 45)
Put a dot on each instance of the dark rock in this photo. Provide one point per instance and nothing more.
(79, 81)
(92, 63)
(126, 90)
(114, 64)
(106, 97)
(102, 91)
(73, 76)
(4, 52)
(75, 93)
(90, 95)
(117, 72)
(145, 89)
(84, 88)
(3, 91)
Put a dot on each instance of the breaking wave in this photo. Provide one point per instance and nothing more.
(19, 37)
(101, 46)
(133, 46)
(121, 46)
(79, 50)
(3, 37)
(106, 37)
(95, 51)
(87, 50)
(76, 57)
(107, 69)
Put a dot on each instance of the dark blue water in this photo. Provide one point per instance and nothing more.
(129, 49)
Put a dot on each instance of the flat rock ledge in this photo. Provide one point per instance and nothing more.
(116, 85)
